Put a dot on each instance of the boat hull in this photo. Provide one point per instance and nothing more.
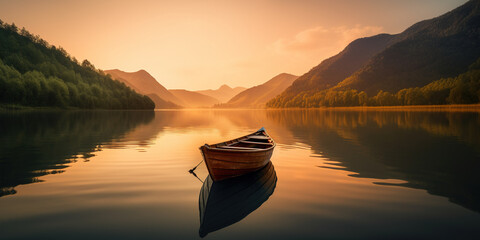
(224, 164)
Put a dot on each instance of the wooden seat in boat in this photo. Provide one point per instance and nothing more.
(258, 137)
(238, 148)
(259, 143)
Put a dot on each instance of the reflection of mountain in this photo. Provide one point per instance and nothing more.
(422, 148)
(435, 151)
(221, 120)
(224, 203)
(38, 143)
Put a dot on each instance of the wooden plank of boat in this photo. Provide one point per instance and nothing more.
(259, 137)
(238, 156)
(238, 148)
(259, 143)
(224, 203)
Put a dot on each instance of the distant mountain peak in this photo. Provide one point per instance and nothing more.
(257, 96)
(284, 75)
(142, 71)
(146, 84)
(194, 99)
(223, 93)
(224, 87)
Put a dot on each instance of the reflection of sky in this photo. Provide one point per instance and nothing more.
(126, 193)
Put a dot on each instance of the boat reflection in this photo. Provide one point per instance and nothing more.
(224, 203)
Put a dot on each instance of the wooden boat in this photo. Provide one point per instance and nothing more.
(238, 156)
(223, 203)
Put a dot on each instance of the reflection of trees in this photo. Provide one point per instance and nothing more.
(422, 148)
(33, 144)
(463, 125)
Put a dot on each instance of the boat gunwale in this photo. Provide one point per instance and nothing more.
(208, 146)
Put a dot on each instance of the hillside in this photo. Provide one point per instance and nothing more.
(429, 50)
(257, 96)
(335, 69)
(461, 89)
(442, 47)
(162, 104)
(33, 73)
(144, 83)
(194, 99)
(223, 93)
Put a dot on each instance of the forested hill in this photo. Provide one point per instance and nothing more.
(427, 51)
(34, 73)
(440, 48)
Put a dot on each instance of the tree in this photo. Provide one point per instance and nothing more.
(88, 65)
(34, 73)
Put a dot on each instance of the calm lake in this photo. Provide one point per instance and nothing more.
(335, 175)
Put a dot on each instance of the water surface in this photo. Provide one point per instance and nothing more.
(339, 174)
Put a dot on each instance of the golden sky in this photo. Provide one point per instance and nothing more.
(203, 44)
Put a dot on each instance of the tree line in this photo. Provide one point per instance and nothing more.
(463, 89)
(34, 73)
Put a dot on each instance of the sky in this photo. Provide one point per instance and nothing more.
(198, 45)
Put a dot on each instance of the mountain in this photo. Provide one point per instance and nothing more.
(194, 99)
(34, 73)
(441, 47)
(162, 104)
(429, 50)
(335, 69)
(144, 83)
(257, 96)
(223, 94)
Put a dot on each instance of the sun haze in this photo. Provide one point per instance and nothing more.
(203, 44)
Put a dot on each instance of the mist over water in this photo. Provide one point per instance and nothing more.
(339, 174)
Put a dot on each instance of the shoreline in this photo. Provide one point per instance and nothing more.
(453, 107)
(20, 108)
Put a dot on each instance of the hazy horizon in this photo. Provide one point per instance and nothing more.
(203, 45)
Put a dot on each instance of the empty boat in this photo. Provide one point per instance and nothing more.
(238, 156)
